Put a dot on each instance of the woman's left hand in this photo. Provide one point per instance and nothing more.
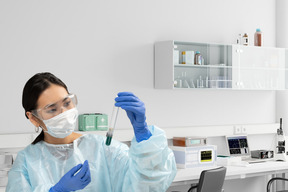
(135, 110)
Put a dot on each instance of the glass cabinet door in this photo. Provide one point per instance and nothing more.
(213, 71)
(258, 67)
(219, 66)
(286, 69)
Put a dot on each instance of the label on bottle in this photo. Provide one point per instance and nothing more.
(258, 39)
(183, 57)
(245, 40)
(200, 60)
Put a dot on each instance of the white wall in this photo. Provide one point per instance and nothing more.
(281, 23)
(101, 47)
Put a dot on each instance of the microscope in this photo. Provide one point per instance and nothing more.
(281, 153)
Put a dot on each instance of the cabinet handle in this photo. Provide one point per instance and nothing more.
(239, 50)
(239, 83)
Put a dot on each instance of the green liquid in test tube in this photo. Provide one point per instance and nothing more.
(113, 120)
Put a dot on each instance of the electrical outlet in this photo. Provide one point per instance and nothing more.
(237, 130)
(243, 130)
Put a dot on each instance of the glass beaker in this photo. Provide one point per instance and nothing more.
(185, 83)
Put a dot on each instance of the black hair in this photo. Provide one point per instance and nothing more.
(33, 89)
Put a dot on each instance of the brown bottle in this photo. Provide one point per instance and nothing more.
(198, 58)
(258, 38)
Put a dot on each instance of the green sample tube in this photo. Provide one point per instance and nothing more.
(113, 120)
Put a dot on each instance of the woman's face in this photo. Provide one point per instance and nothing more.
(51, 101)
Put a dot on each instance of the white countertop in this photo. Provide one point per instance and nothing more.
(191, 175)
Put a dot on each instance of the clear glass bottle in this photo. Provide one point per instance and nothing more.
(198, 58)
(200, 82)
(185, 83)
(239, 39)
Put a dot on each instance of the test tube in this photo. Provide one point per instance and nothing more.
(113, 120)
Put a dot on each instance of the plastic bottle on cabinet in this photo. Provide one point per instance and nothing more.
(258, 38)
(183, 57)
(198, 58)
(245, 39)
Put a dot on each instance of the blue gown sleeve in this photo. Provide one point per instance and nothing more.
(18, 177)
(146, 166)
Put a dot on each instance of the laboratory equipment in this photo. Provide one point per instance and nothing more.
(262, 154)
(200, 82)
(238, 145)
(113, 120)
(197, 156)
(189, 141)
(281, 153)
(192, 85)
(93, 122)
(207, 82)
(185, 83)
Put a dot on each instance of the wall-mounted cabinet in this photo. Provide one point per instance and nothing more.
(221, 66)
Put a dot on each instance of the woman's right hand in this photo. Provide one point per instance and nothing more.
(71, 181)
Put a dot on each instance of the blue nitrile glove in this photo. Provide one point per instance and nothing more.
(135, 110)
(71, 182)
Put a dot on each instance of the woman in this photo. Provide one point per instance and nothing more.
(61, 160)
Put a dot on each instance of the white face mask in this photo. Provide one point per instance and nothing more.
(63, 124)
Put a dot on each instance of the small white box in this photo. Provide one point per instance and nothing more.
(198, 156)
(228, 160)
(189, 57)
(176, 57)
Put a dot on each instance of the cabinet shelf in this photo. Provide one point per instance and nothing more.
(263, 68)
(203, 66)
(230, 67)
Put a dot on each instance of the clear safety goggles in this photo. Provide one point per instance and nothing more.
(51, 110)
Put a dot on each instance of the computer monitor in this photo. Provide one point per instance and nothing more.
(238, 145)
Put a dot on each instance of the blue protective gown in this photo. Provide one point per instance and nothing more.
(146, 166)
